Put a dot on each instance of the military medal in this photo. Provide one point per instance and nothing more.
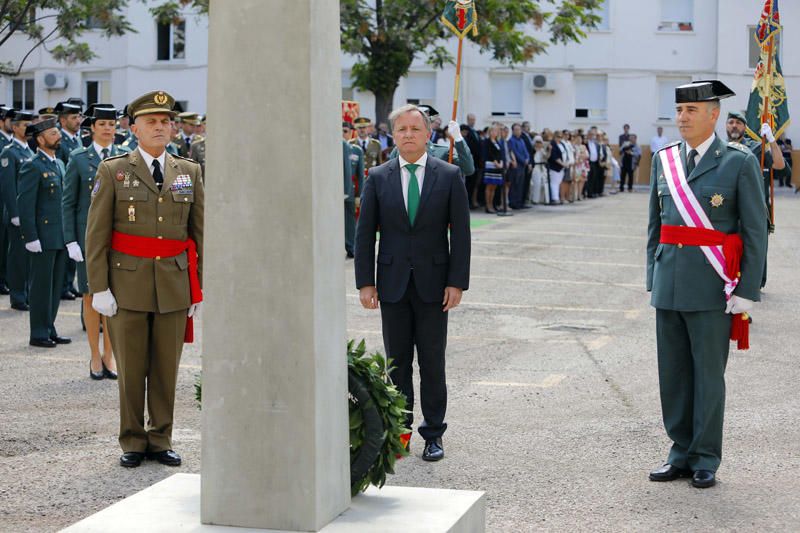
(127, 182)
(716, 200)
(120, 175)
(131, 213)
(135, 182)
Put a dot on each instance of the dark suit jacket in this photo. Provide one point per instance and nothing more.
(423, 247)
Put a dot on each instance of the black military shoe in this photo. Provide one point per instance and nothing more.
(167, 457)
(4, 288)
(433, 450)
(66, 295)
(43, 343)
(704, 479)
(131, 459)
(669, 472)
(60, 340)
(20, 306)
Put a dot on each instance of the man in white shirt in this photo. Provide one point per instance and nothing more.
(659, 141)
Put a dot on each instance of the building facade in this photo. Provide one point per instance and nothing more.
(623, 72)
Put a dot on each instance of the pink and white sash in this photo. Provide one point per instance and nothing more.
(692, 212)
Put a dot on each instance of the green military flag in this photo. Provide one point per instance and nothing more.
(768, 101)
(460, 16)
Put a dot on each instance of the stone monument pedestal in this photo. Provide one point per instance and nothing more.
(173, 506)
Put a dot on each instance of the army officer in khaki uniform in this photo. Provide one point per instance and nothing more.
(144, 251)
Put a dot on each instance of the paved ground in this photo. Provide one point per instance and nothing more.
(553, 409)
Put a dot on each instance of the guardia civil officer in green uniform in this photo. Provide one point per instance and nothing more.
(355, 166)
(78, 185)
(693, 315)
(736, 127)
(69, 118)
(144, 256)
(11, 159)
(39, 202)
(6, 137)
(462, 157)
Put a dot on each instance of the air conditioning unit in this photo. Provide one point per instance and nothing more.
(541, 83)
(55, 81)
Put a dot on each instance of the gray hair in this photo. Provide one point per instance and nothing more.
(409, 108)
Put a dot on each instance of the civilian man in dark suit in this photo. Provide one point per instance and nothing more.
(413, 199)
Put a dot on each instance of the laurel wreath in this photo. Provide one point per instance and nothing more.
(377, 417)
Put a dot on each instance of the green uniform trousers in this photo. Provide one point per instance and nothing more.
(349, 226)
(47, 274)
(3, 248)
(18, 267)
(692, 355)
(147, 348)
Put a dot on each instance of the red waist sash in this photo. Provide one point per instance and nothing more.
(732, 248)
(150, 248)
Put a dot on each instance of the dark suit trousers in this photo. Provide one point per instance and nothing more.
(596, 179)
(47, 276)
(349, 225)
(627, 176)
(408, 323)
(692, 355)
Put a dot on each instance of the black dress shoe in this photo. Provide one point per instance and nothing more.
(433, 450)
(131, 459)
(97, 376)
(19, 306)
(66, 295)
(704, 479)
(43, 343)
(167, 457)
(669, 472)
(110, 374)
(4, 289)
(60, 340)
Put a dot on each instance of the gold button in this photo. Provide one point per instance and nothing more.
(160, 199)
(158, 258)
(161, 219)
(185, 199)
(45, 221)
(117, 264)
(131, 198)
(160, 237)
(680, 245)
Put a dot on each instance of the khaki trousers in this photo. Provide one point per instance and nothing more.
(147, 348)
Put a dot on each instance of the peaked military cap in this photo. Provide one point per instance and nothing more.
(738, 116)
(189, 117)
(346, 124)
(66, 108)
(35, 129)
(362, 122)
(428, 110)
(702, 91)
(48, 111)
(152, 102)
(19, 116)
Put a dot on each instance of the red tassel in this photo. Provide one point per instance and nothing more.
(740, 331)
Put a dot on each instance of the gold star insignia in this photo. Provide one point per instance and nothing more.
(716, 200)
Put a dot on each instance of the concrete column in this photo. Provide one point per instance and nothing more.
(275, 430)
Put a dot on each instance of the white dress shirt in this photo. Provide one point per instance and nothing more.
(701, 150)
(52, 159)
(99, 149)
(149, 160)
(405, 177)
(593, 155)
(658, 142)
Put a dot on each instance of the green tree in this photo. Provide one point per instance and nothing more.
(386, 35)
(57, 25)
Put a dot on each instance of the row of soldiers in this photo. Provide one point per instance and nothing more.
(48, 162)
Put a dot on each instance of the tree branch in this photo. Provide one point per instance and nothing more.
(37, 45)
(17, 23)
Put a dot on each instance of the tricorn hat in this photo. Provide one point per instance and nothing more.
(35, 129)
(702, 91)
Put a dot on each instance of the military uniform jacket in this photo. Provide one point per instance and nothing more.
(78, 186)
(198, 153)
(67, 146)
(372, 156)
(127, 199)
(755, 147)
(39, 201)
(347, 170)
(680, 277)
(11, 159)
(357, 168)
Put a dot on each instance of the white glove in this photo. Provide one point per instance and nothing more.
(15, 221)
(104, 303)
(738, 305)
(74, 252)
(766, 131)
(194, 309)
(454, 130)
(34, 246)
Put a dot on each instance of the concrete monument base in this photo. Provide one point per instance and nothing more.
(173, 506)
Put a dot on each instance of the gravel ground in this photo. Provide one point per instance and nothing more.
(553, 410)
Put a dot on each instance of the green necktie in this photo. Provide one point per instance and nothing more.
(413, 192)
(690, 164)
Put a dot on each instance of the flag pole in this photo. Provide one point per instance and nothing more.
(455, 93)
(767, 117)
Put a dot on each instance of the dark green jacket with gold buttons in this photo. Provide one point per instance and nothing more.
(680, 277)
(78, 185)
(39, 201)
(11, 159)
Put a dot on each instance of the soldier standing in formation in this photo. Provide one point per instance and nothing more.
(371, 147)
(11, 160)
(198, 150)
(39, 203)
(706, 210)
(356, 180)
(185, 139)
(6, 138)
(144, 252)
(78, 185)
